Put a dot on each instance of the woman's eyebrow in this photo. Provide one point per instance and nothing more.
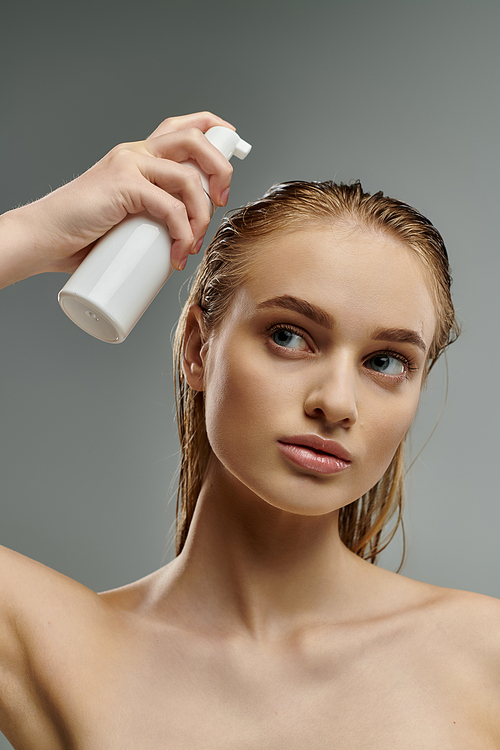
(400, 335)
(289, 302)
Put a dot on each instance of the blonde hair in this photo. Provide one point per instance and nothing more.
(226, 265)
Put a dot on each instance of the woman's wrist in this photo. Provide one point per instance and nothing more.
(20, 242)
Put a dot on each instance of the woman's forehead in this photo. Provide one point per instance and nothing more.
(350, 273)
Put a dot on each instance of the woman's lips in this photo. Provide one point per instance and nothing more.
(315, 453)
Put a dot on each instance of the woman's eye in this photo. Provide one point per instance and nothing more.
(386, 364)
(289, 339)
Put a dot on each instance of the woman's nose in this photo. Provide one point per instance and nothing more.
(332, 396)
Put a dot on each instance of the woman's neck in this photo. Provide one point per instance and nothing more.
(261, 572)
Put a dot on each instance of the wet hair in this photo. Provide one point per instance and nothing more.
(228, 262)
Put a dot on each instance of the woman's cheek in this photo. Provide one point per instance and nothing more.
(234, 393)
(388, 429)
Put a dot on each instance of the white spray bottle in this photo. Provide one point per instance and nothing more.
(125, 270)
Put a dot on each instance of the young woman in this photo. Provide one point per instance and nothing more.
(311, 326)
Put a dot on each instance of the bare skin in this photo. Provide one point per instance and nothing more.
(415, 666)
(266, 631)
(58, 231)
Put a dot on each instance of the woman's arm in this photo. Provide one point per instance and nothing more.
(56, 232)
(42, 611)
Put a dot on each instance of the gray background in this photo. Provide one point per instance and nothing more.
(403, 95)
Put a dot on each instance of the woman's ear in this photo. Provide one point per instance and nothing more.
(195, 348)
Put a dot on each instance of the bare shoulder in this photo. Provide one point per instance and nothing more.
(31, 591)
(38, 604)
(457, 635)
(456, 627)
(44, 618)
(450, 640)
(471, 641)
(474, 621)
(464, 618)
(468, 616)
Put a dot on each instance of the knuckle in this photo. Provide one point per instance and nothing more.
(121, 156)
(122, 148)
(178, 209)
(194, 134)
(170, 121)
(118, 148)
(192, 176)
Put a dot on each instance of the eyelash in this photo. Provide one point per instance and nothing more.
(409, 364)
(285, 327)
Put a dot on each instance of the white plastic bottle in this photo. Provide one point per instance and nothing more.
(123, 273)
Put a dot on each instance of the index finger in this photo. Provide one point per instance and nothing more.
(192, 144)
(201, 120)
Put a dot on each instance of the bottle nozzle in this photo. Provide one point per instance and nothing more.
(228, 142)
(242, 149)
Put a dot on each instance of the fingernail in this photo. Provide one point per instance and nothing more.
(198, 245)
(224, 197)
(182, 264)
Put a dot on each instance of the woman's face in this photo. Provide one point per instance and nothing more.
(326, 341)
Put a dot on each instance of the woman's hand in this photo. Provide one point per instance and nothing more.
(56, 232)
